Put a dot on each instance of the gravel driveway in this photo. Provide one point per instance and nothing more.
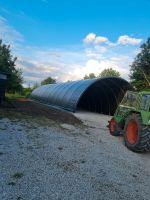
(65, 162)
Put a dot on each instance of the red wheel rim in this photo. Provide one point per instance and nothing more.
(132, 132)
(112, 125)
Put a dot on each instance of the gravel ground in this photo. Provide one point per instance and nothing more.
(62, 162)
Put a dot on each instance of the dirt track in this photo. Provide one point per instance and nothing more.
(28, 107)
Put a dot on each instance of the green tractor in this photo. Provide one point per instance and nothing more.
(132, 119)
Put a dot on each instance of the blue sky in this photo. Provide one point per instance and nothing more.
(66, 39)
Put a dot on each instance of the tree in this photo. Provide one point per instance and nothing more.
(90, 76)
(27, 91)
(109, 72)
(48, 80)
(140, 68)
(7, 65)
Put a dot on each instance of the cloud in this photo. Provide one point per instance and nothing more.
(122, 40)
(8, 33)
(43, 63)
(100, 39)
(125, 39)
(90, 38)
(120, 63)
(72, 64)
(100, 49)
(36, 69)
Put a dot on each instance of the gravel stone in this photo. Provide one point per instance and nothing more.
(93, 166)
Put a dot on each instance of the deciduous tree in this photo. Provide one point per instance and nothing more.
(7, 65)
(90, 76)
(109, 72)
(140, 68)
(48, 80)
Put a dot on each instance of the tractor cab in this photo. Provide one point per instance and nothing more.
(136, 101)
(130, 99)
(128, 104)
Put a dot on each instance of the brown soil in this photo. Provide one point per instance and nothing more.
(31, 108)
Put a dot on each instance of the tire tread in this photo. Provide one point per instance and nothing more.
(143, 144)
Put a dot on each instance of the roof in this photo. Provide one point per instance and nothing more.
(98, 95)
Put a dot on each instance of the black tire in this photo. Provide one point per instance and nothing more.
(113, 128)
(141, 141)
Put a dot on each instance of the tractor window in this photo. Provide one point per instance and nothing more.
(145, 102)
(130, 99)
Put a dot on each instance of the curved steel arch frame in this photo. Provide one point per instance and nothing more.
(100, 95)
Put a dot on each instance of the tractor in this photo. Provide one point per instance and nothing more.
(132, 120)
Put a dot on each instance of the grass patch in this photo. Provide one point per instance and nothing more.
(18, 175)
(10, 114)
(43, 121)
(13, 97)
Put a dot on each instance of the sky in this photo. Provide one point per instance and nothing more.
(66, 39)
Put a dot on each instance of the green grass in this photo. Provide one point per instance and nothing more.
(13, 97)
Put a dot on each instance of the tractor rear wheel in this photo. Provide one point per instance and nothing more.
(137, 135)
(113, 128)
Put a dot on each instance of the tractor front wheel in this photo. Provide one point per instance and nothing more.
(137, 136)
(113, 128)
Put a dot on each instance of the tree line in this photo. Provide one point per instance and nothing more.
(105, 73)
(139, 70)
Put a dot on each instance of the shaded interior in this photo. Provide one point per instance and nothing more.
(2, 88)
(103, 96)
